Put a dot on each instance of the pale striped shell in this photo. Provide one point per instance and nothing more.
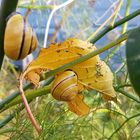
(65, 86)
(19, 38)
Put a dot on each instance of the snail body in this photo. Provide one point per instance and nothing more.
(65, 86)
(19, 38)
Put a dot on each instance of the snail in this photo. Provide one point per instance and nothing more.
(65, 87)
(19, 38)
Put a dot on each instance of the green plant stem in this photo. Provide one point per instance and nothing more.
(124, 85)
(130, 118)
(12, 97)
(116, 24)
(112, 52)
(7, 7)
(11, 116)
(30, 95)
(2, 132)
(126, 14)
(36, 7)
(124, 28)
(110, 19)
(118, 9)
(120, 68)
(128, 95)
(88, 56)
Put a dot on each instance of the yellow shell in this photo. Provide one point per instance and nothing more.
(19, 38)
(65, 86)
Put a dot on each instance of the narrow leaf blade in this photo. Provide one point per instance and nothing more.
(133, 58)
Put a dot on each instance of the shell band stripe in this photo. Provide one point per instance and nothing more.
(12, 14)
(30, 49)
(67, 78)
(66, 89)
(23, 39)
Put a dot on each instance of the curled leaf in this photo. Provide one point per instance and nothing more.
(92, 73)
(78, 106)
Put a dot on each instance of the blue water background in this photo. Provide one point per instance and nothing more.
(85, 15)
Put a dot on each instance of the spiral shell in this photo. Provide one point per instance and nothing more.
(65, 86)
(19, 38)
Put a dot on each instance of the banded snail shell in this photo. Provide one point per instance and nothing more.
(65, 86)
(19, 38)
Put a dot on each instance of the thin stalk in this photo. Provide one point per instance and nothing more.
(7, 131)
(30, 95)
(10, 117)
(124, 27)
(50, 18)
(28, 110)
(112, 52)
(120, 68)
(124, 85)
(12, 68)
(9, 98)
(13, 97)
(37, 7)
(27, 107)
(88, 56)
(130, 118)
(128, 95)
(116, 24)
(117, 11)
(113, 16)
(93, 40)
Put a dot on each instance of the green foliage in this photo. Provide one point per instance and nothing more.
(133, 58)
(58, 123)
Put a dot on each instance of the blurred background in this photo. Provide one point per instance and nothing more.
(80, 20)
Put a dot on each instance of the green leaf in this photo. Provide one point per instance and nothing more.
(133, 58)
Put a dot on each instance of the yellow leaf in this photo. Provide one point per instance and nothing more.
(78, 106)
(92, 73)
